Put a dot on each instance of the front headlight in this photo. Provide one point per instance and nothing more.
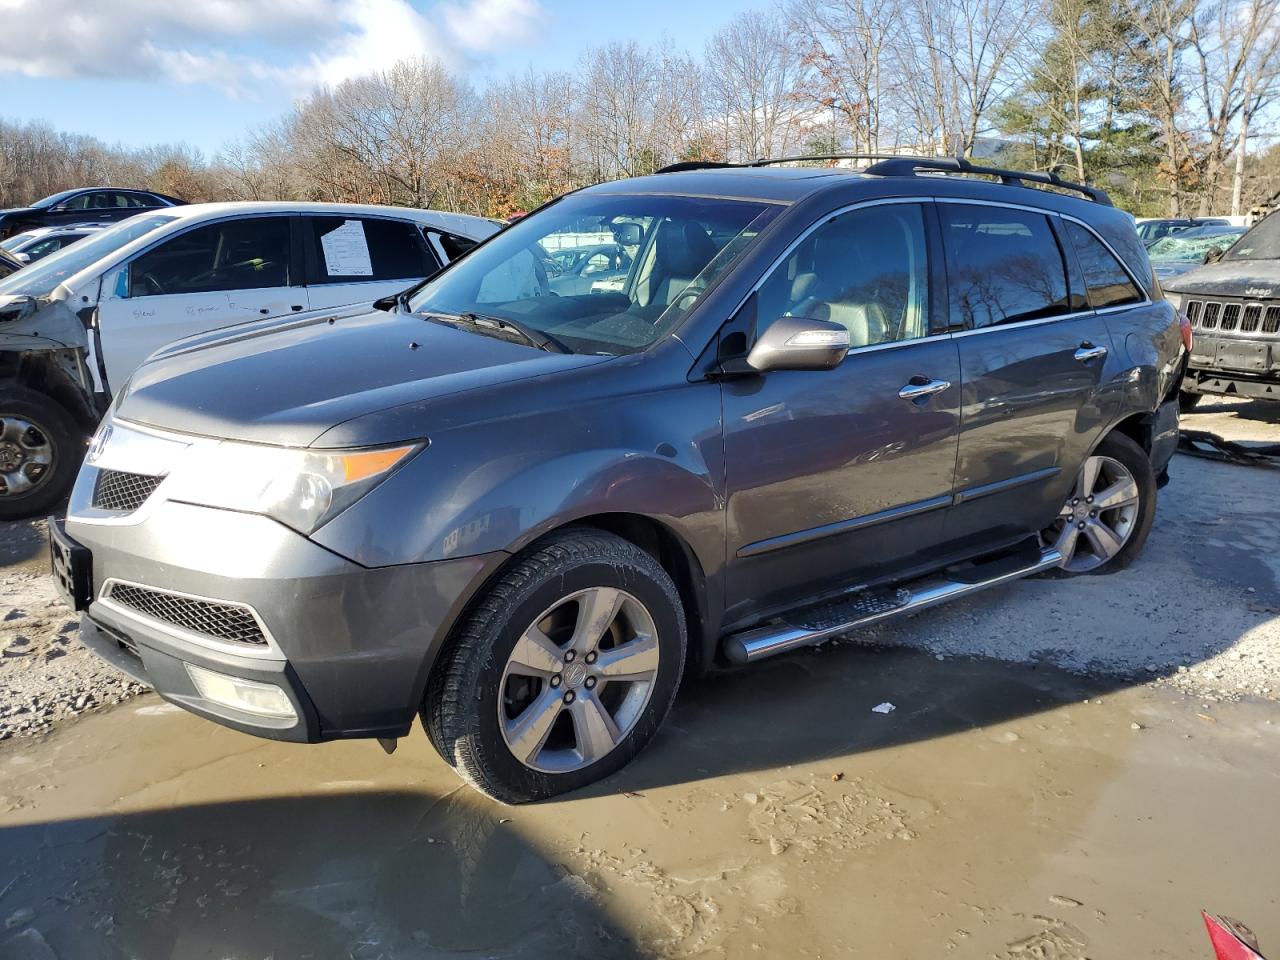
(303, 489)
(1175, 299)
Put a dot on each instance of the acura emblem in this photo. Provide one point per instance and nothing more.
(99, 443)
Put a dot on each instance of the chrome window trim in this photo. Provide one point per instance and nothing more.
(1133, 279)
(822, 221)
(270, 652)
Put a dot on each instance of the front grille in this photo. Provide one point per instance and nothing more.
(232, 622)
(125, 492)
(1234, 316)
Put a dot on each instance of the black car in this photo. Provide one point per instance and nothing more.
(80, 205)
(818, 399)
(1233, 306)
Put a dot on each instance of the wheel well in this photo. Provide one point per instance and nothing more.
(41, 371)
(1137, 428)
(676, 557)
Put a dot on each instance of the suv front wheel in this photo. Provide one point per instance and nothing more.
(1105, 520)
(562, 672)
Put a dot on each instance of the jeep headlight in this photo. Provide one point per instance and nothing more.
(303, 489)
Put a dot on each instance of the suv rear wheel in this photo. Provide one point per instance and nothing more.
(1106, 519)
(562, 672)
(40, 451)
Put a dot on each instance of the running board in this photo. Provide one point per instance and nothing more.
(864, 608)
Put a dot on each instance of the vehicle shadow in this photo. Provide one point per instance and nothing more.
(364, 875)
(818, 704)
(24, 545)
(1257, 411)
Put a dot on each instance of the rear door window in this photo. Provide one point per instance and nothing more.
(247, 254)
(357, 249)
(1105, 281)
(1003, 265)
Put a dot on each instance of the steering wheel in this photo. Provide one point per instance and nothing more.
(151, 285)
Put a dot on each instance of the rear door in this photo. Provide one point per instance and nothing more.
(209, 276)
(1033, 359)
(357, 260)
(843, 476)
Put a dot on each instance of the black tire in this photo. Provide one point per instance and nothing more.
(1135, 460)
(461, 708)
(1188, 401)
(65, 440)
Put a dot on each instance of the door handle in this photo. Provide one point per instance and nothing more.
(922, 387)
(1089, 352)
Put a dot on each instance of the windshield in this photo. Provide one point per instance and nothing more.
(17, 240)
(53, 198)
(1190, 246)
(599, 274)
(40, 279)
(1260, 243)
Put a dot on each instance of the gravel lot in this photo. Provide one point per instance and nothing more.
(1200, 609)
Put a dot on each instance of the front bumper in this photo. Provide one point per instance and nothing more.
(350, 646)
(1234, 365)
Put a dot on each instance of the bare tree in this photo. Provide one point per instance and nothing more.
(1224, 36)
(845, 45)
(752, 68)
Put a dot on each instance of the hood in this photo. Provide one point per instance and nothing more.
(1257, 279)
(290, 385)
(11, 210)
(1167, 271)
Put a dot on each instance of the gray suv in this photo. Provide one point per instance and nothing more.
(819, 399)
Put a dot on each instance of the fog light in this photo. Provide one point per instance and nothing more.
(260, 699)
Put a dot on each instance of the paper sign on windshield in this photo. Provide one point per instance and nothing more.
(346, 251)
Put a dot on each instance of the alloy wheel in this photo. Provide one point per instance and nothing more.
(1098, 518)
(578, 679)
(26, 455)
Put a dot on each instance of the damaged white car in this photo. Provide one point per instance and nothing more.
(74, 326)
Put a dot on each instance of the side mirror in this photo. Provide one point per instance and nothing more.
(797, 343)
(626, 234)
(24, 257)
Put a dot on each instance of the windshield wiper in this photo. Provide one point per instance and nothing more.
(535, 338)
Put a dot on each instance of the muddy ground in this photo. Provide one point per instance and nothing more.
(1072, 769)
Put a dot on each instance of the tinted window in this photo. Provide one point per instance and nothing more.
(348, 250)
(866, 270)
(41, 279)
(236, 255)
(1104, 279)
(1003, 265)
(452, 245)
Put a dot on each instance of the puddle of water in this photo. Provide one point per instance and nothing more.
(993, 813)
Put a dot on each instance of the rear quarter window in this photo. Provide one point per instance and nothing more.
(1106, 282)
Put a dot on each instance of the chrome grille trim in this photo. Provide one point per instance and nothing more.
(122, 492)
(223, 624)
(1238, 316)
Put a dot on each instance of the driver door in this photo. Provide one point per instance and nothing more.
(210, 276)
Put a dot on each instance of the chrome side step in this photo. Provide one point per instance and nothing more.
(748, 646)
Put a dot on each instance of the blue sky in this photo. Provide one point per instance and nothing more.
(204, 71)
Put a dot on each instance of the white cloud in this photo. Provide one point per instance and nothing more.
(491, 24)
(248, 47)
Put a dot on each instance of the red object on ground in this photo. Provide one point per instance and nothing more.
(1231, 939)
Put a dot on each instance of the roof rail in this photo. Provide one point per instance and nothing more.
(907, 166)
(898, 165)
